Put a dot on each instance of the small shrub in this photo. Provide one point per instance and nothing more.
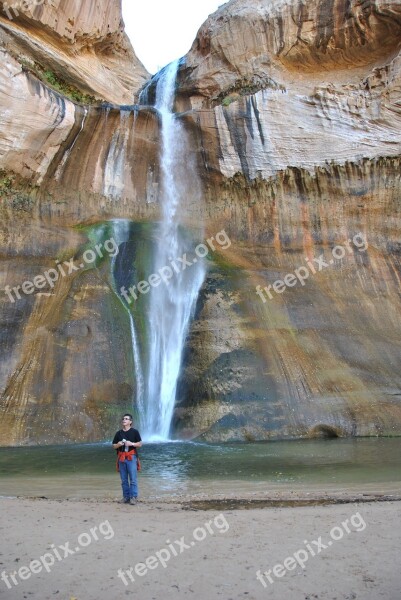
(12, 193)
(245, 87)
(66, 89)
(230, 99)
(6, 182)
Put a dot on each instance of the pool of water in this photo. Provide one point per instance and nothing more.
(175, 468)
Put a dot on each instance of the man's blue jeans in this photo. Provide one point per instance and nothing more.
(129, 478)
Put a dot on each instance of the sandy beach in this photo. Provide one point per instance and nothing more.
(101, 550)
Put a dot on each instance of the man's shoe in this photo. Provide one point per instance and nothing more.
(124, 501)
(133, 501)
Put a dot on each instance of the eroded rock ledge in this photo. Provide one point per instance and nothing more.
(82, 43)
(294, 44)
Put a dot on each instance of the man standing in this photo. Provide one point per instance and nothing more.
(125, 442)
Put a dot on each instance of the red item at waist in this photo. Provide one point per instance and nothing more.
(123, 456)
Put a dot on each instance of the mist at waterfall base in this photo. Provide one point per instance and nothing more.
(354, 465)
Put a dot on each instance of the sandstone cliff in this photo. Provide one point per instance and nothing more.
(293, 111)
(82, 43)
(258, 44)
(296, 113)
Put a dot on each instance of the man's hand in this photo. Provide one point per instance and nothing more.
(121, 444)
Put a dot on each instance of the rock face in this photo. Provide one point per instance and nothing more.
(260, 44)
(293, 112)
(48, 144)
(82, 42)
(299, 138)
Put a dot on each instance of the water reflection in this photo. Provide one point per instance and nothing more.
(167, 463)
(184, 467)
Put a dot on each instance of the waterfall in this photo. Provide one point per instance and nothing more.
(170, 305)
(159, 320)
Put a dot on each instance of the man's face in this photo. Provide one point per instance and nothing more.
(126, 421)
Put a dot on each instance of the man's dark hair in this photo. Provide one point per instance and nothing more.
(128, 415)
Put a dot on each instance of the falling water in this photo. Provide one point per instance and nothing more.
(159, 320)
(170, 305)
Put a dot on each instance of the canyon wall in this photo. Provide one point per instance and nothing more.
(81, 42)
(296, 109)
(293, 111)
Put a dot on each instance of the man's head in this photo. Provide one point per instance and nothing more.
(127, 420)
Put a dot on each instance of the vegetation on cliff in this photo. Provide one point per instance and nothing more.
(57, 83)
(13, 193)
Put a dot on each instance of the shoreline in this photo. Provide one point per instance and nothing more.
(234, 501)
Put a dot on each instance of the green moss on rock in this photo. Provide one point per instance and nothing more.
(58, 83)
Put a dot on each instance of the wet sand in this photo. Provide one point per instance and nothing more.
(199, 547)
